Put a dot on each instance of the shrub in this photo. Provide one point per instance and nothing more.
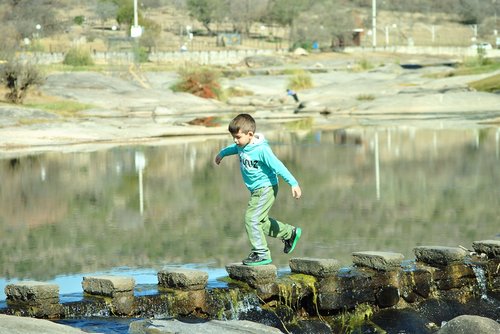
(362, 65)
(300, 80)
(365, 97)
(141, 54)
(19, 78)
(78, 20)
(202, 82)
(78, 57)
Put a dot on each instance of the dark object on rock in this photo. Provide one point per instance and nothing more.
(208, 121)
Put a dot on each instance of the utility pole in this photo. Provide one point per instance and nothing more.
(135, 30)
(374, 23)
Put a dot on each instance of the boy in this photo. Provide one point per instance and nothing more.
(260, 169)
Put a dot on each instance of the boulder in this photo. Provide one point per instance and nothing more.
(21, 325)
(209, 327)
(489, 247)
(466, 324)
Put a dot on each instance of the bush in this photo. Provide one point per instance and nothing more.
(141, 55)
(202, 82)
(300, 80)
(19, 78)
(78, 57)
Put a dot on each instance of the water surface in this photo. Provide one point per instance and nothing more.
(142, 208)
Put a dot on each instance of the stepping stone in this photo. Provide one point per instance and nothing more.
(384, 261)
(108, 286)
(489, 247)
(315, 267)
(252, 275)
(439, 255)
(32, 291)
(184, 279)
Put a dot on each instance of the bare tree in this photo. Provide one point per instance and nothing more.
(32, 17)
(19, 78)
(327, 22)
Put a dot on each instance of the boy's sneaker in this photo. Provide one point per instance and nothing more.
(255, 259)
(290, 243)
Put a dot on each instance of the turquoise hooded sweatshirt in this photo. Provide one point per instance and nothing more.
(258, 164)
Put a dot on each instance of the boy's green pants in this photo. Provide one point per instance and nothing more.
(259, 225)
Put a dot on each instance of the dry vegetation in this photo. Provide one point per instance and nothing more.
(394, 28)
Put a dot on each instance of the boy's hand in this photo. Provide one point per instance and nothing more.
(296, 192)
(218, 159)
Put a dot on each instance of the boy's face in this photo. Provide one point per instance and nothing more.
(242, 139)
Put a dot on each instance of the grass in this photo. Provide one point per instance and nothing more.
(489, 84)
(470, 66)
(300, 79)
(365, 97)
(64, 108)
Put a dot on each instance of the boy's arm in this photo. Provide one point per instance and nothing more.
(279, 168)
(230, 150)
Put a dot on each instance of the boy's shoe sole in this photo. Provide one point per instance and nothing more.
(259, 263)
(298, 233)
(255, 259)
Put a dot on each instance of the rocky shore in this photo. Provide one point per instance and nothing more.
(125, 110)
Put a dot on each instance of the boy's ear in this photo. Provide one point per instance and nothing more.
(250, 133)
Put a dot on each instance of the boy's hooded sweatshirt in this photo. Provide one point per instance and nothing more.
(258, 164)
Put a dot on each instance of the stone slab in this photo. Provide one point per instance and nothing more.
(184, 279)
(30, 291)
(384, 261)
(252, 275)
(23, 325)
(489, 247)
(315, 267)
(108, 285)
(439, 255)
(209, 327)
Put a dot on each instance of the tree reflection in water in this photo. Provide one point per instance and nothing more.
(380, 189)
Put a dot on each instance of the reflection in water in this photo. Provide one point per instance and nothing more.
(147, 207)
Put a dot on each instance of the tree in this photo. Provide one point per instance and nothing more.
(106, 10)
(284, 12)
(205, 11)
(473, 11)
(326, 22)
(19, 78)
(25, 15)
(245, 12)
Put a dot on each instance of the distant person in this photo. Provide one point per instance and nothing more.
(293, 94)
(260, 169)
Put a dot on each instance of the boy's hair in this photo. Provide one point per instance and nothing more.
(243, 122)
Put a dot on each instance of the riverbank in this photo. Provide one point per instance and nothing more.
(125, 110)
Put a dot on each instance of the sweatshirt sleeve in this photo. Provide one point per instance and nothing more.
(229, 150)
(278, 167)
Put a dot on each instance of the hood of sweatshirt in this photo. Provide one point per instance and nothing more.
(258, 140)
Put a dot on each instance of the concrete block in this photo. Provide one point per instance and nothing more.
(252, 275)
(184, 279)
(108, 286)
(384, 261)
(439, 255)
(315, 267)
(489, 247)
